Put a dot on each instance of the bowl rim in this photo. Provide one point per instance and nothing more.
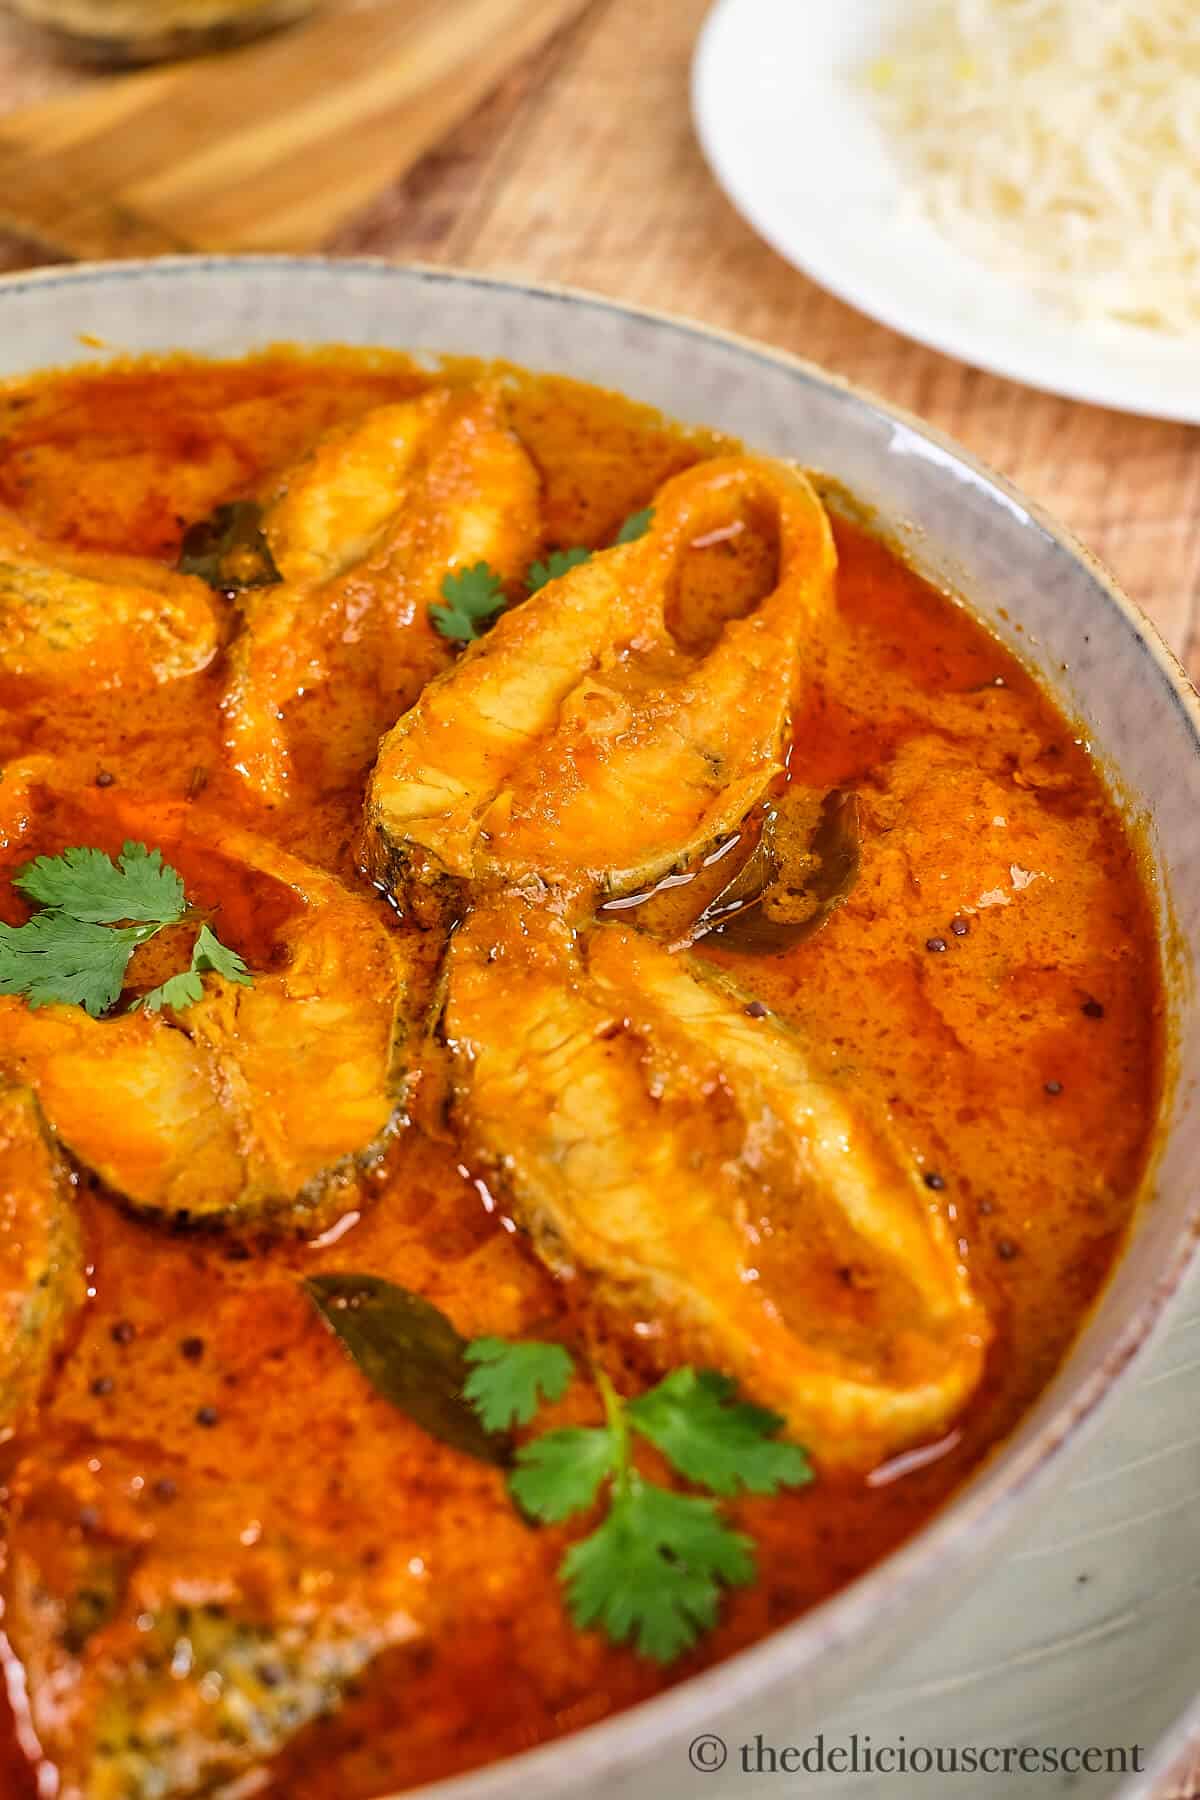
(986, 1505)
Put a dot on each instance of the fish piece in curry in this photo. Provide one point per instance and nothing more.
(41, 1249)
(698, 1163)
(188, 1640)
(363, 532)
(71, 620)
(588, 738)
(256, 1101)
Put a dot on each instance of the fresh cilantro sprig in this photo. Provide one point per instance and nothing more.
(90, 885)
(508, 1382)
(716, 1440)
(94, 913)
(558, 563)
(654, 1568)
(561, 562)
(55, 959)
(208, 953)
(177, 992)
(473, 598)
(636, 526)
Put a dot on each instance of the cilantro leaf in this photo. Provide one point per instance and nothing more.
(560, 1472)
(559, 562)
(509, 1381)
(208, 952)
(180, 991)
(76, 950)
(91, 886)
(653, 1570)
(473, 597)
(715, 1439)
(636, 526)
(55, 959)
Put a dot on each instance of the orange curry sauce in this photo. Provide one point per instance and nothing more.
(1020, 1063)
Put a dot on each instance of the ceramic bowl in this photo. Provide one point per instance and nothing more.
(1038, 590)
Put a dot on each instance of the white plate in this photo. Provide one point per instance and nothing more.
(792, 141)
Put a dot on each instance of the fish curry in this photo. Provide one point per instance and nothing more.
(576, 1043)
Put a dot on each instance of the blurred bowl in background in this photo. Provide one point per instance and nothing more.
(124, 33)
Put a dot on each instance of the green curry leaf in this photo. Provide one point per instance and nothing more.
(229, 549)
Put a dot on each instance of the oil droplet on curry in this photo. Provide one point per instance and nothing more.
(712, 951)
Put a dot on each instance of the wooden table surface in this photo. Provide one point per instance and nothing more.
(584, 169)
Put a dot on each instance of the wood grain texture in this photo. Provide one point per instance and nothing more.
(600, 183)
(269, 148)
(581, 167)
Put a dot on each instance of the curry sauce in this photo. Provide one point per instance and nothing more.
(990, 985)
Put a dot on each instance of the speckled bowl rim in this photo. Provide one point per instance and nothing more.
(968, 1524)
